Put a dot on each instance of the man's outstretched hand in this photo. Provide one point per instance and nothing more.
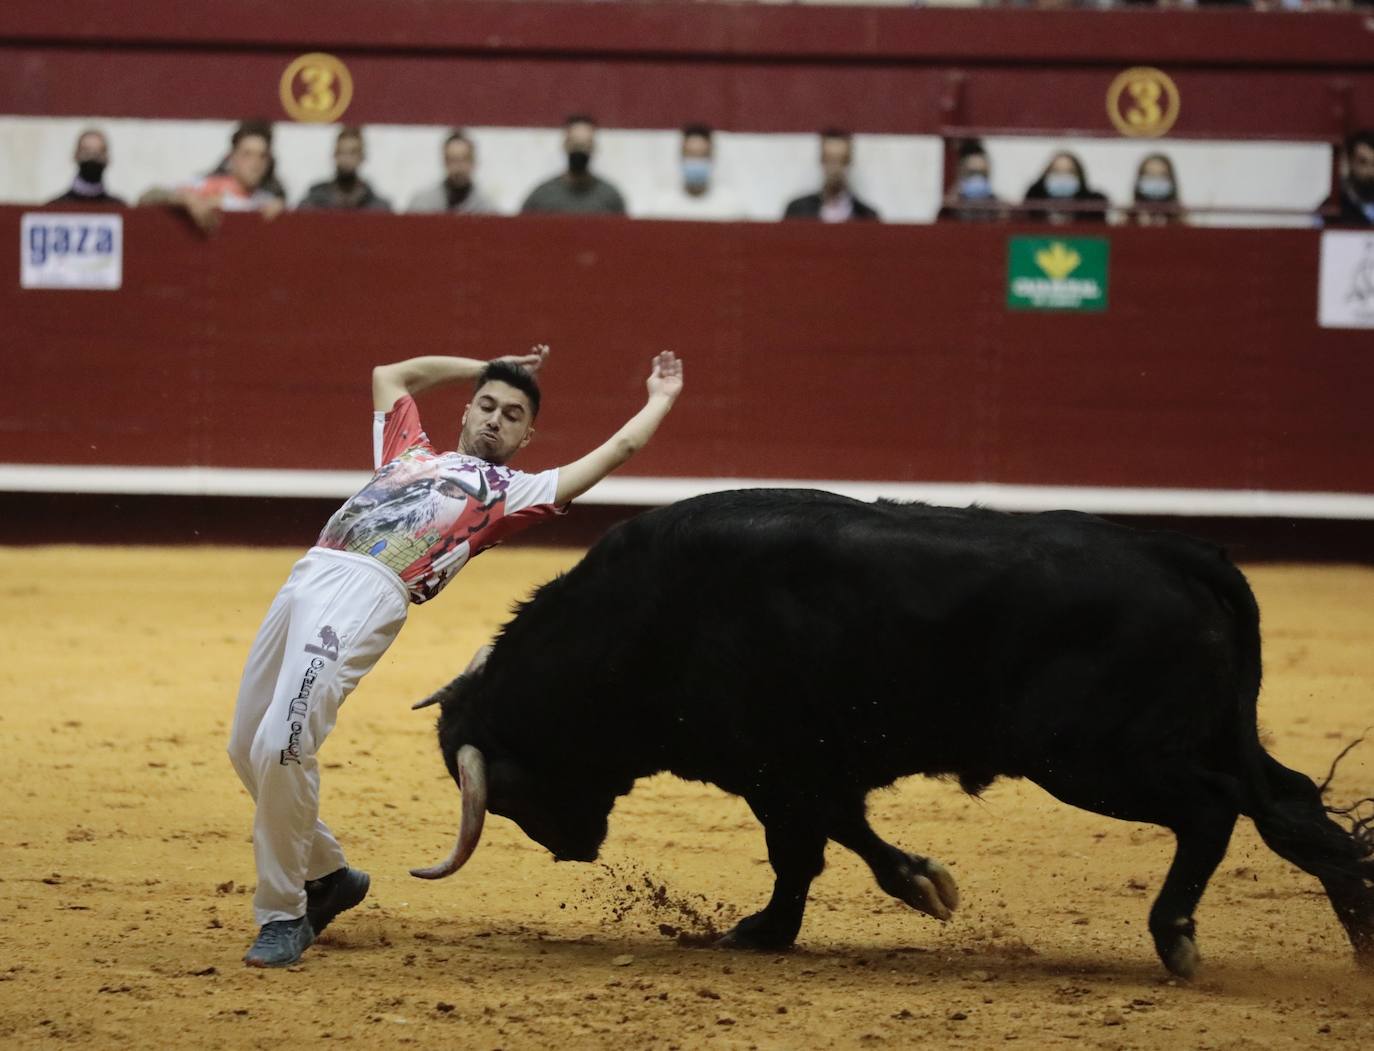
(533, 361)
(666, 378)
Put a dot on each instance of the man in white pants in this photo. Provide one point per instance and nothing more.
(397, 541)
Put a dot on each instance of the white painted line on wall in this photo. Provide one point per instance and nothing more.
(234, 481)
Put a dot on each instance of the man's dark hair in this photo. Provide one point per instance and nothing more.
(836, 133)
(459, 135)
(261, 128)
(578, 118)
(701, 131)
(972, 148)
(514, 376)
(1363, 137)
(350, 131)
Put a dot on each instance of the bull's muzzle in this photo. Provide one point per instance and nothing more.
(472, 781)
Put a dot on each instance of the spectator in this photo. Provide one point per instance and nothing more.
(92, 158)
(270, 183)
(240, 189)
(1156, 193)
(1356, 195)
(347, 189)
(834, 203)
(695, 194)
(1063, 181)
(970, 199)
(456, 193)
(577, 190)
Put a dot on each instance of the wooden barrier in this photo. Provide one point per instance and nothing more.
(861, 352)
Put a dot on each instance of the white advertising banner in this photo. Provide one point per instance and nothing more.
(71, 250)
(1345, 291)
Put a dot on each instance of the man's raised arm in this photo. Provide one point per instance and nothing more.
(664, 385)
(393, 382)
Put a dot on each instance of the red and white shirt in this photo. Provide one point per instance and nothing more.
(425, 512)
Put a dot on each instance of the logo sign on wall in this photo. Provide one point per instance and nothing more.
(1143, 102)
(316, 88)
(71, 251)
(1057, 273)
(1345, 289)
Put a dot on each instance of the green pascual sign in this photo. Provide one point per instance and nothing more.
(1057, 273)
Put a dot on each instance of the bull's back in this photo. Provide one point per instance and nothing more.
(807, 627)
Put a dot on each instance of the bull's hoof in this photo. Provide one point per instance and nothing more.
(925, 885)
(1178, 950)
(1182, 958)
(754, 932)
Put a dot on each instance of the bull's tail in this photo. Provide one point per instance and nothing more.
(1285, 805)
(1296, 824)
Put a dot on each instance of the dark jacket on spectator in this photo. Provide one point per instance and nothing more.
(100, 197)
(331, 195)
(809, 207)
(1354, 212)
(1038, 193)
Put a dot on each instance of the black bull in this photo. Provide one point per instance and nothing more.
(801, 649)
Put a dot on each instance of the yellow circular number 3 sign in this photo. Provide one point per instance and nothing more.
(1143, 102)
(316, 88)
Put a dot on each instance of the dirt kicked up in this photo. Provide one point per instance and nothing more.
(126, 867)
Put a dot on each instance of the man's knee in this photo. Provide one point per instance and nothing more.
(284, 746)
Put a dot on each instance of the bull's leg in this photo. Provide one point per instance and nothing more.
(1201, 810)
(923, 883)
(1202, 839)
(796, 850)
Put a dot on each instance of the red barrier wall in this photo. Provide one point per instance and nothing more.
(859, 352)
(745, 67)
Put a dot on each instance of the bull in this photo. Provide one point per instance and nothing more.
(800, 649)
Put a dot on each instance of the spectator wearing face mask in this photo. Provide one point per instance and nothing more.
(1064, 182)
(457, 192)
(1356, 195)
(970, 199)
(347, 189)
(695, 193)
(92, 158)
(576, 191)
(834, 203)
(1156, 193)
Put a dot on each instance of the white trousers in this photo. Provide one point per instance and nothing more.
(332, 620)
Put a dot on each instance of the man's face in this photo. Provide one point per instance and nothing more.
(1362, 167)
(497, 423)
(459, 163)
(248, 161)
(834, 163)
(580, 136)
(696, 147)
(348, 155)
(92, 147)
(975, 164)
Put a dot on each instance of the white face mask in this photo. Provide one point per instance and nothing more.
(1154, 187)
(1061, 184)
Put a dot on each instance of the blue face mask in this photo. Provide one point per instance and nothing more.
(1154, 187)
(696, 172)
(975, 187)
(1061, 184)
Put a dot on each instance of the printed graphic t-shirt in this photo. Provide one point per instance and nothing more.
(425, 513)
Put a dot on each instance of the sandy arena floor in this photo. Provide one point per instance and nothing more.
(125, 863)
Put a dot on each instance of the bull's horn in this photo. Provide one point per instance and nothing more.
(472, 780)
(433, 698)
